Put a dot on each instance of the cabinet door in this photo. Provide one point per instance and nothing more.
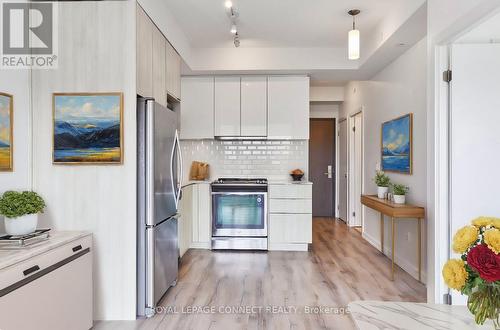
(204, 214)
(288, 107)
(253, 106)
(197, 108)
(144, 53)
(185, 221)
(159, 73)
(173, 71)
(227, 106)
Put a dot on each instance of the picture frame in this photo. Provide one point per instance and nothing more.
(6, 132)
(87, 128)
(397, 145)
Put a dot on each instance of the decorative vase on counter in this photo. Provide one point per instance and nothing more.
(382, 191)
(400, 199)
(22, 225)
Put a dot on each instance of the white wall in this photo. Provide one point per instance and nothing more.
(398, 89)
(96, 54)
(17, 83)
(269, 159)
(322, 110)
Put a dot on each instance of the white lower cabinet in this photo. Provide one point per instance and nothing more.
(50, 291)
(290, 217)
(195, 231)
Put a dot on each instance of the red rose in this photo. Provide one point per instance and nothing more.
(485, 262)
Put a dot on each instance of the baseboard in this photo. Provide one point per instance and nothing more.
(200, 245)
(288, 247)
(403, 263)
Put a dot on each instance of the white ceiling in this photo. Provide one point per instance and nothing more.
(485, 32)
(289, 36)
(279, 23)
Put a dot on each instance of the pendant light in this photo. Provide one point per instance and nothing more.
(354, 48)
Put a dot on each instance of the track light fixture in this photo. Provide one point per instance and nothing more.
(236, 40)
(233, 15)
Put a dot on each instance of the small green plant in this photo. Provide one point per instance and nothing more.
(14, 204)
(381, 179)
(400, 189)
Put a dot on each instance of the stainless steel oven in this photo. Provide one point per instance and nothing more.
(239, 214)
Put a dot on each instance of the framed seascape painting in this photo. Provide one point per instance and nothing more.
(88, 128)
(397, 145)
(6, 136)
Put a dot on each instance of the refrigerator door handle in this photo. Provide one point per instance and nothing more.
(179, 179)
(172, 170)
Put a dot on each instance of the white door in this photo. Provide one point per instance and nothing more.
(227, 106)
(475, 137)
(253, 106)
(355, 176)
(343, 170)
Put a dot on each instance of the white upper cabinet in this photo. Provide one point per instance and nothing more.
(159, 61)
(288, 107)
(197, 108)
(173, 61)
(144, 57)
(253, 106)
(227, 106)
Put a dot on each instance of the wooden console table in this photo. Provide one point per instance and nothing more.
(396, 211)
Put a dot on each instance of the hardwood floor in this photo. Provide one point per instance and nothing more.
(339, 268)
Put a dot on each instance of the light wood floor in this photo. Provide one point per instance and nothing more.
(339, 268)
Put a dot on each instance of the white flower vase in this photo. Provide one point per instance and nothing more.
(22, 225)
(382, 191)
(400, 199)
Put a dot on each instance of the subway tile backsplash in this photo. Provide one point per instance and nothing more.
(271, 159)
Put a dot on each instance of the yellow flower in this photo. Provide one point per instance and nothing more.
(486, 221)
(454, 274)
(492, 238)
(464, 238)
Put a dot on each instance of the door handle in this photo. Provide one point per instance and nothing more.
(180, 172)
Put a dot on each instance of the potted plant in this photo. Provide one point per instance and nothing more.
(400, 191)
(477, 273)
(382, 181)
(20, 210)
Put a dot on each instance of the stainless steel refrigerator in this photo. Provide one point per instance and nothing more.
(159, 167)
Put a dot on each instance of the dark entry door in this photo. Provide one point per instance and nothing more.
(322, 166)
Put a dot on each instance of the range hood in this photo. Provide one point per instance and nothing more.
(233, 138)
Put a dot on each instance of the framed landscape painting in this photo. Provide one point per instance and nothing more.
(397, 145)
(6, 136)
(88, 128)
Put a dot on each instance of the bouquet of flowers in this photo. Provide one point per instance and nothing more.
(477, 273)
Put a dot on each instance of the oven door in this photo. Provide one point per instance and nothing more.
(239, 214)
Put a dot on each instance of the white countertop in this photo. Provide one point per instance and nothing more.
(56, 239)
(276, 182)
(375, 315)
(271, 182)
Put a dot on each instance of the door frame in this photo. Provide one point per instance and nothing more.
(335, 161)
(439, 142)
(350, 168)
(338, 174)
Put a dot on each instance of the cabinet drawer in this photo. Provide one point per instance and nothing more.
(25, 269)
(290, 228)
(290, 206)
(291, 191)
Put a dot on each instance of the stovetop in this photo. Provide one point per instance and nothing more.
(240, 181)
